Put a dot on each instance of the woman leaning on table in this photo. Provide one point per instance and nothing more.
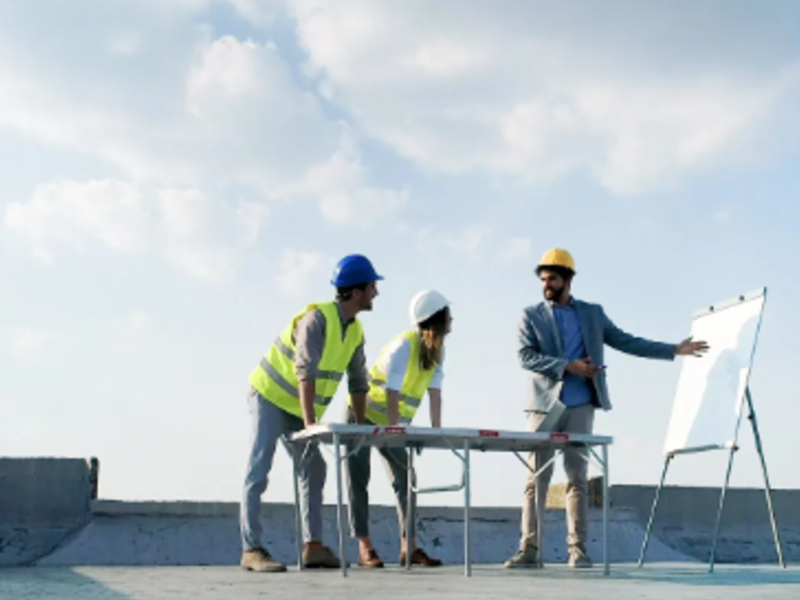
(408, 366)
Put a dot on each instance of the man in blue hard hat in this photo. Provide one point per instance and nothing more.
(290, 389)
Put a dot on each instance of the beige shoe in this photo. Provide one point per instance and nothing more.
(525, 558)
(578, 558)
(317, 556)
(259, 560)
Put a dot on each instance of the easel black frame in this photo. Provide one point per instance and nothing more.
(732, 448)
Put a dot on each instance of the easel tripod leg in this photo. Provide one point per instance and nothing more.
(714, 540)
(653, 510)
(767, 488)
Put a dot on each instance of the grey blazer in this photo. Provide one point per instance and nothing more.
(541, 351)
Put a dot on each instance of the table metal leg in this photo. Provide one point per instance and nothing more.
(467, 516)
(339, 503)
(298, 523)
(410, 507)
(539, 517)
(605, 509)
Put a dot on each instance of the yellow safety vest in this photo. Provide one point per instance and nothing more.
(275, 377)
(415, 384)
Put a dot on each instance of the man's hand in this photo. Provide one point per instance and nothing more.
(359, 406)
(393, 407)
(687, 347)
(583, 368)
(307, 392)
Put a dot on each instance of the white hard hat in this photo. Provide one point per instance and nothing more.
(425, 304)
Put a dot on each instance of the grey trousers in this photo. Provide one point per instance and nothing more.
(358, 475)
(268, 424)
(574, 420)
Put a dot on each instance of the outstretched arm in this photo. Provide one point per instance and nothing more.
(637, 346)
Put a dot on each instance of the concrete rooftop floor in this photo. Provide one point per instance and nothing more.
(657, 581)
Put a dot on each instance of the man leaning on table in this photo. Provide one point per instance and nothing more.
(290, 389)
(561, 343)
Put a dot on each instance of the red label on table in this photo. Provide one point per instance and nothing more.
(561, 437)
(395, 429)
(488, 433)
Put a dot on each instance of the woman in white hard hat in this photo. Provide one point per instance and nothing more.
(408, 366)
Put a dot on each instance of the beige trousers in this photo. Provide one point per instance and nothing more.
(574, 420)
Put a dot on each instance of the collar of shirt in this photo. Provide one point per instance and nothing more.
(570, 303)
(344, 320)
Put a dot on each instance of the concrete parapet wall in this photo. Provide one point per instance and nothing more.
(43, 502)
(208, 534)
(47, 517)
(686, 515)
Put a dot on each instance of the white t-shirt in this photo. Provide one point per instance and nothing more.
(395, 361)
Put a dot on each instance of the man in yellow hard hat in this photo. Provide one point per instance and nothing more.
(561, 344)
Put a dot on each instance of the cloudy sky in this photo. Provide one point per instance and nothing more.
(179, 177)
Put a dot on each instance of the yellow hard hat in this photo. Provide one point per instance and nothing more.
(557, 257)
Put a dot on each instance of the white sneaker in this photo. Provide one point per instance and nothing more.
(578, 558)
(527, 558)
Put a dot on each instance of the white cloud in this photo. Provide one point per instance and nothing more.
(178, 108)
(297, 270)
(344, 196)
(475, 242)
(513, 249)
(135, 322)
(126, 43)
(110, 212)
(536, 90)
(261, 12)
(471, 241)
(203, 236)
(26, 342)
(207, 237)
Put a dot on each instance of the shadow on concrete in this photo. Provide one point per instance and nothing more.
(695, 575)
(722, 576)
(34, 583)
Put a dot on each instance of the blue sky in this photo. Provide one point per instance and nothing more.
(180, 177)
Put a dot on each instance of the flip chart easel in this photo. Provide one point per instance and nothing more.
(712, 391)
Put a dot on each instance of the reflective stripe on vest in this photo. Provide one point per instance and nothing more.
(275, 377)
(415, 384)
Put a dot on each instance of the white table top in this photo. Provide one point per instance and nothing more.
(428, 437)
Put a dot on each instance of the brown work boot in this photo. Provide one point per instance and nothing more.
(370, 559)
(259, 560)
(317, 556)
(418, 557)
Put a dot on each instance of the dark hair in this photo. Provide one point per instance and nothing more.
(343, 294)
(432, 331)
(565, 273)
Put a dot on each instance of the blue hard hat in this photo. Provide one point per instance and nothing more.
(352, 270)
